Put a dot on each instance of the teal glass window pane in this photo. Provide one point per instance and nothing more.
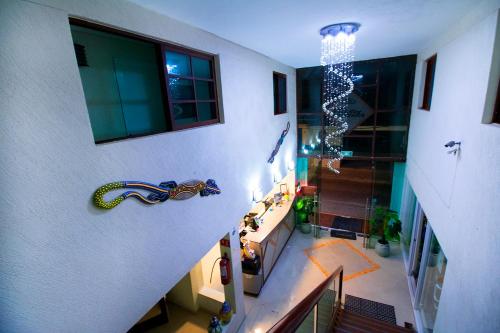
(140, 93)
(206, 111)
(202, 68)
(204, 90)
(181, 88)
(121, 85)
(178, 64)
(184, 113)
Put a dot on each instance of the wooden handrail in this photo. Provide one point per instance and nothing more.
(296, 316)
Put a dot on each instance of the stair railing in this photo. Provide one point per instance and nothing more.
(304, 316)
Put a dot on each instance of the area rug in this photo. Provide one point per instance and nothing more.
(372, 309)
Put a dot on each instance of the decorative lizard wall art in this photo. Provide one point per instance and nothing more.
(278, 144)
(160, 193)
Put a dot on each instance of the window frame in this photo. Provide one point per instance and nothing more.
(161, 46)
(496, 108)
(276, 93)
(430, 75)
(190, 53)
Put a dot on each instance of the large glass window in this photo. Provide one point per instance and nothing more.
(121, 84)
(127, 92)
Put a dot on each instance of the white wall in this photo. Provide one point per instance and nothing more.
(460, 194)
(69, 267)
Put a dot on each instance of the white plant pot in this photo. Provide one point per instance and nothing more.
(306, 228)
(383, 250)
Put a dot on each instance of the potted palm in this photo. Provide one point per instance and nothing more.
(386, 224)
(304, 207)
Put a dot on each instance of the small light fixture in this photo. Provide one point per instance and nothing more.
(257, 195)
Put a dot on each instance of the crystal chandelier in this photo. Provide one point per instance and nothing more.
(337, 56)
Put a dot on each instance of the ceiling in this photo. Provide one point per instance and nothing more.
(288, 30)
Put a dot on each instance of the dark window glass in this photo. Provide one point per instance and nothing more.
(390, 143)
(122, 85)
(359, 146)
(206, 111)
(430, 69)
(395, 80)
(309, 89)
(202, 68)
(204, 90)
(184, 113)
(181, 88)
(365, 72)
(191, 85)
(279, 83)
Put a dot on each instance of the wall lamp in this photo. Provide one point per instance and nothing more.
(257, 195)
(452, 144)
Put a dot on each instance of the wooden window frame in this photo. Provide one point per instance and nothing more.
(277, 92)
(496, 111)
(430, 73)
(190, 53)
(161, 47)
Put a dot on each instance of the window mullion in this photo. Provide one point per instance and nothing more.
(194, 89)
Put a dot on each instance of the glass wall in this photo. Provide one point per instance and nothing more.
(379, 114)
(432, 286)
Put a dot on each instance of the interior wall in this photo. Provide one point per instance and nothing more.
(207, 262)
(67, 266)
(459, 194)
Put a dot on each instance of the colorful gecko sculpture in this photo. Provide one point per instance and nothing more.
(160, 193)
(278, 144)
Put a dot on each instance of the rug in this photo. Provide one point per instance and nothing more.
(372, 309)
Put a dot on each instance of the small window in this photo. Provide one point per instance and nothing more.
(191, 87)
(132, 90)
(496, 111)
(430, 69)
(279, 85)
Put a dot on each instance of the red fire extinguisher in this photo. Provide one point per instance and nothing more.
(225, 269)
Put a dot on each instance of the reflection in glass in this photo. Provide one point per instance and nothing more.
(184, 113)
(181, 88)
(178, 64)
(309, 135)
(433, 284)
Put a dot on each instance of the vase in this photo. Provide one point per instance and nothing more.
(306, 228)
(383, 250)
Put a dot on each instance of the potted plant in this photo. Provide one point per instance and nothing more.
(304, 207)
(435, 248)
(386, 224)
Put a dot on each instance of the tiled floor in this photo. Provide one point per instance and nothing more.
(303, 265)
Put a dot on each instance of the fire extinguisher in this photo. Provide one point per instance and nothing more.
(225, 269)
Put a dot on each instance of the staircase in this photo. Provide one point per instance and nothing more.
(322, 311)
(350, 322)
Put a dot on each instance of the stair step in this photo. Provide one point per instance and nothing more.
(364, 323)
(353, 328)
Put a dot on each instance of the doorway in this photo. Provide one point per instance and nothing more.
(189, 306)
(426, 271)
